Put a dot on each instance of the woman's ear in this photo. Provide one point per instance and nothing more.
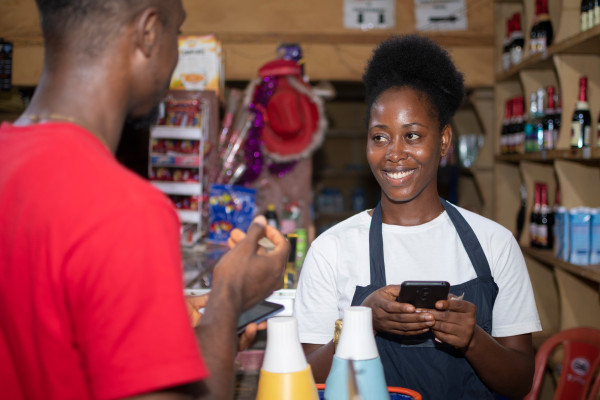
(446, 140)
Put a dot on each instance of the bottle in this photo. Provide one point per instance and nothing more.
(518, 127)
(271, 216)
(539, 120)
(534, 34)
(598, 132)
(533, 219)
(581, 123)
(506, 46)
(517, 41)
(531, 124)
(290, 274)
(545, 221)
(521, 213)
(583, 16)
(504, 147)
(590, 14)
(548, 121)
(596, 12)
(545, 30)
(557, 116)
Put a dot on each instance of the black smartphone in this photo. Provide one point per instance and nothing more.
(258, 313)
(423, 294)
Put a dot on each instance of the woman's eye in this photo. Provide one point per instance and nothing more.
(412, 136)
(378, 138)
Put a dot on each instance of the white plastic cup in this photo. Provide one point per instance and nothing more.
(357, 341)
(283, 353)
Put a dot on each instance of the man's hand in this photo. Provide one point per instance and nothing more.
(195, 303)
(393, 317)
(252, 272)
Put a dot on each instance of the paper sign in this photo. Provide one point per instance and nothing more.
(369, 14)
(441, 15)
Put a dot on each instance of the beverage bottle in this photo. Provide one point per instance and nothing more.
(290, 275)
(504, 147)
(539, 120)
(583, 16)
(545, 220)
(590, 14)
(596, 12)
(533, 219)
(522, 211)
(545, 30)
(271, 216)
(506, 46)
(534, 34)
(531, 125)
(557, 116)
(517, 41)
(581, 123)
(548, 121)
(518, 126)
(598, 132)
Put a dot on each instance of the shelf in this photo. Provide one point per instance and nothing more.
(591, 272)
(189, 216)
(587, 42)
(587, 155)
(176, 132)
(180, 188)
(183, 161)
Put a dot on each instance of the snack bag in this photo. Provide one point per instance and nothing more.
(229, 207)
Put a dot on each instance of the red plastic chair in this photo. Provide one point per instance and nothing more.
(407, 392)
(581, 358)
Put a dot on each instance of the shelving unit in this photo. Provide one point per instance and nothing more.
(201, 135)
(571, 289)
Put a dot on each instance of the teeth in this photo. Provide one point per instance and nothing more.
(399, 175)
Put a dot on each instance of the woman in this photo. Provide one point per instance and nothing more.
(463, 349)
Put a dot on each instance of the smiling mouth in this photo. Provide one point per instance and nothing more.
(400, 174)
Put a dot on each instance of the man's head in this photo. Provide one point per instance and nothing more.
(132, 42)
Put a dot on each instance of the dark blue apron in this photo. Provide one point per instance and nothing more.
(436, 370)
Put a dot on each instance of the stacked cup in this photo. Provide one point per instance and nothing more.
(357, 345)
(285, 374)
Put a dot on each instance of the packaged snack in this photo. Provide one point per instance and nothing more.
(200, 64)
(229, 207)
(580, 236)
(595, 239)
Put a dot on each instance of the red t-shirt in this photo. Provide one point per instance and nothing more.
(91, 293)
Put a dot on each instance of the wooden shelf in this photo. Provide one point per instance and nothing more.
(586, 156)
(591, 272)
(587, 42)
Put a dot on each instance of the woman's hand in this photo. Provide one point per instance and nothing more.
(393, 317)
(455, 322)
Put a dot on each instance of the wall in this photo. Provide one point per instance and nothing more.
(251, 30)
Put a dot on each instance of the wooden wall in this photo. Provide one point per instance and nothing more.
(251, 30)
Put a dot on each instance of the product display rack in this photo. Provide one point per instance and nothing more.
(558, 285)
(203, 135)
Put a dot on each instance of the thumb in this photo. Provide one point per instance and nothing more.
(257, 229)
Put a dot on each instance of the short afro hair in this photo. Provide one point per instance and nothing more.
(417, 62)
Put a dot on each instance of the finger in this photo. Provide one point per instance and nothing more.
(256, 230)
(247, 337)
(197, 302)
(235, 237)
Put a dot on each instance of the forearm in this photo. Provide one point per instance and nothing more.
(218, 341)
(320, 358)
(504, 370)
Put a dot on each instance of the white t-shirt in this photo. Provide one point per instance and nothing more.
(338, 261)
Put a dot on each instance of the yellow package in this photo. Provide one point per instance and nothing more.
(200, 64)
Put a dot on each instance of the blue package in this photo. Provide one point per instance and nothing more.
(229, 207)
(580, 236)
(595, 239)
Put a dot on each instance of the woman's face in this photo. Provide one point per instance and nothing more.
(405, 145)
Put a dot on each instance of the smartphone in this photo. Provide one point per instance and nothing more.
(423, 294)
(258, 313)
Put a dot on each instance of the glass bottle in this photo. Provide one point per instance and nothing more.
(518, 128)
(583, 16)
(581, 123)
(539, 120)
(271, 216)
(533, 219)
(506, 47)
(544, 224)
(545, 30)
(522, 211)
(534, 34)
(557, 116)
(504, 148)
(548, 121)
(517, 41)
(530, 125)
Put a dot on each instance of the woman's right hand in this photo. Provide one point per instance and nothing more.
(393, 317)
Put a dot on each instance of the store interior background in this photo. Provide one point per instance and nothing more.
(567, 295)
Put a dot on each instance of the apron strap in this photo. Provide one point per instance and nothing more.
(469, 240)
(376, 249)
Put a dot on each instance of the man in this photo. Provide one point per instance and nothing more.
(91, 302)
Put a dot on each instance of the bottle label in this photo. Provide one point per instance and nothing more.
(542, 235)
(576, 134)
(548, 139)
(584, 21)
(516, 55)
(506, 61)
(597, 15)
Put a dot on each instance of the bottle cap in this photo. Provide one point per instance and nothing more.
(283, 353)
(357, 341)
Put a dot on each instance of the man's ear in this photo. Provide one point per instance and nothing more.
(446, 139)
(146, 30)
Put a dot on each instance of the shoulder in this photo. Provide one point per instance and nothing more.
(484, 227)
